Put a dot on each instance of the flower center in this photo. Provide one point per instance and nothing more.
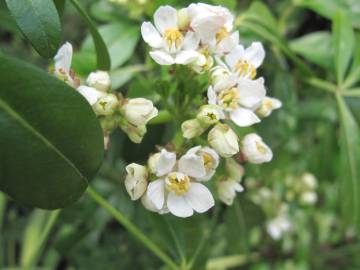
(173, 37)
(208, 161)
(260, 148)
(229, 98)
(178, 182)
(221, 34)
(244, 68)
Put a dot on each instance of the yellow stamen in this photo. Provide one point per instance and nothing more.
(208, 161)
(261, 148)
(173, 36)
(245, 68)
(221, 34)
(229, 98)
(177, 184)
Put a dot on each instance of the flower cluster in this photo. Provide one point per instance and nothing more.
(112, 109)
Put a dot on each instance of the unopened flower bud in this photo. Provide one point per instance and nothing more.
(227, 189)
(255, 150)
(309, 181)
(308, 198)
(106, 105)
(203, 63)
(136, 180)
(138, 111)
(268, 104)
(210, 114)
(234, 170)
(100, 80)
(183, 18)
(220, 77)
(192, 128)
(152, 161)
(224, 140)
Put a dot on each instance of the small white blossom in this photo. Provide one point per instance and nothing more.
(138, 111)
(278, 226)
(99, 80)
(268, 104)
(308, 197)
(193, 128)
(177, 189)
(239, 100)
(255, 150)
(244, 62)
(309, 181)
(136, 180)
(90, 94)
(106, 105)
(170, 45)
(224, 140)
(210, 114)
(63, 60)
(135, 133)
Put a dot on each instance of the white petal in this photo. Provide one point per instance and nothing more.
(244, 117)
(193, 150)
(199, 198)
(165, 17)
(228, 43)
(192, 165)
(251, 93)
(178, 206)
(162, 58)
(226, 84)
(211, 96)
(151, 35)
(191, 41)
(255, 54)
(165, 163)
(213, 154)
(186, 57)
(156, 193)
(63, 57)
(91, 94)
(234, 56)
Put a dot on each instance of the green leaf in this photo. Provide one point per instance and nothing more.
(260, 13)
(60, 6)
(343, 42)
(51, 143)
(329, 8)
(39, 22)
(350, 164)
(102, 54)
(315, 47)
(121, 39)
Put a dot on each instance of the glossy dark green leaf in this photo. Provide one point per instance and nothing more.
(343, 42)
(60, 6)
(51, 142)
(315, 47)
(102, 54)
(39, 22)
(350, 164)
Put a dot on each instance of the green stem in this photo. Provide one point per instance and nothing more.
(164, 116)
(132, 228)
(351, 93)
(228, 262)
(322, 85)
(42, 240)
(2, 214)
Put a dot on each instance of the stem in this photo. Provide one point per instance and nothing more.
(322, 85)
(351, 93)
(228, 262)
(132, 228)
(163, 117)
(2, 214)
(42, 240)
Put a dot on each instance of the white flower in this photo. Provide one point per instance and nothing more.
(308, 197)
(90, 94)
(228, 187)
(309, 181)
(255, 150)
(192, 128)
(152, 161)
(278, 226)
(106, 105)
(210, 114)
(136, 180)
(203, 63)
(138, 111)
(170, 44)
(244, 62)
(149, 205)
(268, 104)
(99, 80)
(222, 78)
(210, 160)
(239, 100)
(177, 188)
(224, 140)
(63, 60)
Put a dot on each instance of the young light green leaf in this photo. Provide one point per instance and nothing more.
(350, 164)
(51, 143)
(39, 21)
(343, 42)
(102, 54)
(315, 47)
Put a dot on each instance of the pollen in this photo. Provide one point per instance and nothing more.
(179, 183)
(211, 116)
(221, 34)
(173, 37)
(244, 68)
(229, 98)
